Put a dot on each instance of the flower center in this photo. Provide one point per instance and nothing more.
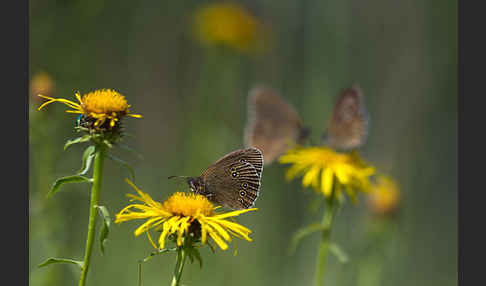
(182, 204)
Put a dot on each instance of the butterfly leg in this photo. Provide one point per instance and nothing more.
(209, 195)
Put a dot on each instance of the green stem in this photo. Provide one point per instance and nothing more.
(181, 259)
(327, 221)
(95, 194)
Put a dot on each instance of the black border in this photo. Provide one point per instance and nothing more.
(15, 144)
(471, 194)
(460, 89)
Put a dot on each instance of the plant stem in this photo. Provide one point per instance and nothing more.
(327, 221)
(181, 259)
(95, 194)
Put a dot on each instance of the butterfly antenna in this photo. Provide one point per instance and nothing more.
(179, 181)
(171, 177)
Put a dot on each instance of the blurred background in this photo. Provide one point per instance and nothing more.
(188, 69)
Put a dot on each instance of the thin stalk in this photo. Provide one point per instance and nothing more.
(95, 194)
(381, 233)
(327, 221)
(181, 259)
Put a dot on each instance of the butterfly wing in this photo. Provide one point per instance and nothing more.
(234, 180)
(273, 124)
(251, 155)
(348, 126)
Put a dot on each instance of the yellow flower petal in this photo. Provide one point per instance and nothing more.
(346, 169)
(216, 238)
(327, 181)
(311, 177)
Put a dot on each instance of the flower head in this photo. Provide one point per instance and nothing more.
(99, 106)
(385, 197)
(184, 215)
(226, 24)
(41, 83)
(324, 169)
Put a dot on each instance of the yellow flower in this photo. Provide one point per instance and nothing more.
(183, 214)
(227, 24)
(385, 197)
(42, 83)
(323, 168)
(99, 105)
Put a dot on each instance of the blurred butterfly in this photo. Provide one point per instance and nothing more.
(233, 181)
(348, 126)
(273, 125)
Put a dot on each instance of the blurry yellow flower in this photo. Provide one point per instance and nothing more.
(183, 214)
(99, 105)
(41, 83)
(385, 197)
(227, 24)
(322, 167)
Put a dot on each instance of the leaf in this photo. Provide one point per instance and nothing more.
(189, 254)
(107, 143)
(138, 155)
(156, 253)
(197, 255)
(88, 156)
(81, 139)
(303, 232)
(105, 229)
(53, 260)
(339, 253)
(69, 179)
(124, 164)
(211, 246)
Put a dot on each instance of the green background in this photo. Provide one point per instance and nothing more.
(193, 100)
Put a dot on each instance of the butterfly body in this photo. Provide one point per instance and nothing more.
(273, 124)
(233, 181)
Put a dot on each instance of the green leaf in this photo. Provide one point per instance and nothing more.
(107, 143)
(189, 254)
(138, 155)
(88, 157)
(211, 246)
(124, 164)
(303, 232)
(156, 253)
(105, 229)
(64, 180)
(339, 253)
(53, 260)
(195, 252)
(81, 139)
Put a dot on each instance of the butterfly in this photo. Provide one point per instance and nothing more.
(232, 181)
(348, 126)
(273, 125)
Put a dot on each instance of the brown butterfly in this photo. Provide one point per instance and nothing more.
(348, 125)
(233, 181)
(273, 124)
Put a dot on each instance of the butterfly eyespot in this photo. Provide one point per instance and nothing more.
(242, 193)
(234, 174)
(242, 160)
(244, 185)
